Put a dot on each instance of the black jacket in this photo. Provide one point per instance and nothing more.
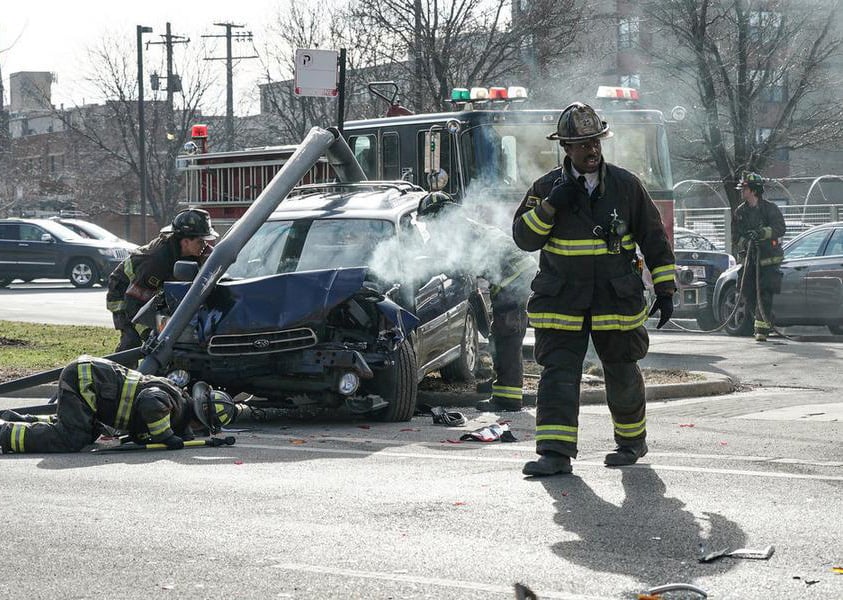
(767, 220)
(577, 274)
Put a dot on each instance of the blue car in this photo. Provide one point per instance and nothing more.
(697, 254)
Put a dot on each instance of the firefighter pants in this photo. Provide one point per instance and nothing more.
(561, 355)
(766, 283)
(509, 326)
(73, 428)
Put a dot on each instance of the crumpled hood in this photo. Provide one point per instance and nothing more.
(275, 302)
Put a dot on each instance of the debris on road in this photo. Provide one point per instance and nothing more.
(490, 433)
(653, 593)
(763, 554)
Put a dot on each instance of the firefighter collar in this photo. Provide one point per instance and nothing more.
(591, 179)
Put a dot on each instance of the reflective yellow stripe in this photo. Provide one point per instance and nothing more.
(160, 426)
(502, 391)
(17, 436)
(763, 325)
(555, 321)
(116, 305)
(664, 273)
(127, 398)
(535, 223)
(522, 266)
(561, 433)
(619, 322)
(589, 247)
(630, 430)
(86, 384)
(129, 268)
(773, 260)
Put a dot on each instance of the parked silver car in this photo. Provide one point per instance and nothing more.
(812, 284)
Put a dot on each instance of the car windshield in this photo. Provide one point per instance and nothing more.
(692, 241)
(91, 230)
(309, 244)
(59, 231)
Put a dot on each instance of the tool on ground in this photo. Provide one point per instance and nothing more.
(672, 587)
(442, 416)
(763, 554)
(213, 442)
(490, 433)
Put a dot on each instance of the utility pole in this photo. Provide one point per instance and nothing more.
(173, 81)
(244, 36)
(142, 131)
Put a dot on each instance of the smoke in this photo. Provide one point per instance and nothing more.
(474, 238)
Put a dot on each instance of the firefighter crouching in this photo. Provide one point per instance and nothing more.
(586, 218)
(757, 229)
(509, 271)
(138, 278)
(94, 391)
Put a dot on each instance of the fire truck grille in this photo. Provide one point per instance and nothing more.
(266, 342)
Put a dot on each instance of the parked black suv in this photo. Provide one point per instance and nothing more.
(41, 248)
(306, 318)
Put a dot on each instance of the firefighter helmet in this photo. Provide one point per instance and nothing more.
(579, 122)
(192, 223)
(213, 408)
(434, 202)
(753, 181)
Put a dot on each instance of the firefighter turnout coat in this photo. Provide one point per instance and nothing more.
(765, 218)
(94, 391)
(577, 273)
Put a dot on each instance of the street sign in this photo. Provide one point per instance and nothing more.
(316, 73)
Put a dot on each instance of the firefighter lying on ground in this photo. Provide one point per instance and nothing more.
(138, 278)
(586, 218)
(757, 229)
(508, 271)
(94, 391)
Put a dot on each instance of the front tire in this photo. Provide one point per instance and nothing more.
(5, 281)
(398, 386)
(741, 322)
(465, 367)
(82, 273)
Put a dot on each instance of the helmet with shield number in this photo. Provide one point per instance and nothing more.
(579, 122)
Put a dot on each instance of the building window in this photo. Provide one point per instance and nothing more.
(632, 80)
(763, 24)
(762, 134)
(628, 30)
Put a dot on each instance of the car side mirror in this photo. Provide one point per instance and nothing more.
(185, 270)
(46, 237)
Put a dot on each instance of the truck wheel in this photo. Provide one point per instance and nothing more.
(741, 322)
(398, 386)
(465, 367)
(82, 273)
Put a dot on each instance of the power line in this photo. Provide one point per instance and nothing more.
(244, 36)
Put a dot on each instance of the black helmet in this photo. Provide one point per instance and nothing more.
(193, 222)
(579, 122)
(432, 203)
(753, 181)
(213, 408)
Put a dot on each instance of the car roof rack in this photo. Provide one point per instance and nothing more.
(401, 186)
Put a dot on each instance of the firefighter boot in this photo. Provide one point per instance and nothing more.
(11, 416)
(626, 454)
(498, 404)
(548, 464)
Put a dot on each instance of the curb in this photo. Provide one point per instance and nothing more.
(44, 391)
(713, 384)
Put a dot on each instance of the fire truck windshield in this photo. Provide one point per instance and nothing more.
(514, 155)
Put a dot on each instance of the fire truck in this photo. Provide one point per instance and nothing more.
(487, 151)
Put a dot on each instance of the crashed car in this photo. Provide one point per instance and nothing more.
(304, 319)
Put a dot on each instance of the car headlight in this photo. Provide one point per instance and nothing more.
(114, 253)
(698, 271)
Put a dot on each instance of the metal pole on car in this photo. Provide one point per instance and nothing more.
(160, 347)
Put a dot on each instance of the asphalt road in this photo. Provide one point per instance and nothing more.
(352, 509)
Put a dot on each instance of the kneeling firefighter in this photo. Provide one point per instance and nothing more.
(95, 391)
(757, 228)
(509, 271)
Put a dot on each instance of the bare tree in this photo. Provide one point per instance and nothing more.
(757, 73)
(458, 43)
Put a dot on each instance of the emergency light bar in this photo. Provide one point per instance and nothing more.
(608, 92)
(492, 95)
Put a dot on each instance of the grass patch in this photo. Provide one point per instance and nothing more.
(37, 346)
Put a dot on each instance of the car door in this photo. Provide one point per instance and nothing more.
(38, 252)
(798, 275)
(9, 251)
(824, 280)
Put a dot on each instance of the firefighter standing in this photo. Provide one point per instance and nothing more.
(94, 391)
(138, 278)
(757, 229)
(508, 271)
(586, 217)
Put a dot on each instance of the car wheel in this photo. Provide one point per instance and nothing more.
(398, 386)
(732, 305)
(706, 320)
(465, 367)
(5, 281)
(82, 273)
(836, 329)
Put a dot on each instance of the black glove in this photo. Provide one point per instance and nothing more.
(562, 194)
(663, 304)
(174, 442)
(754, 235)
